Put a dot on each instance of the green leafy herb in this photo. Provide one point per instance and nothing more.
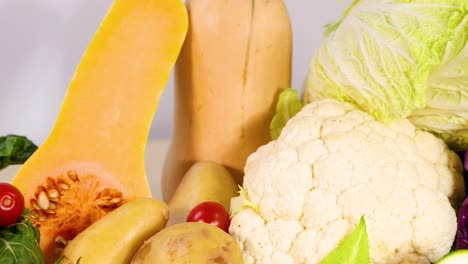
(19, 243)
(15, 150)
(288, 106)
(354, 250)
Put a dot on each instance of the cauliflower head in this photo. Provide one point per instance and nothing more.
(333, 163)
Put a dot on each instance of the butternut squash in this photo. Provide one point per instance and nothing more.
(234, 63)
(93, 159)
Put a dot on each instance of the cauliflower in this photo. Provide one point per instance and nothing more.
(306, 191)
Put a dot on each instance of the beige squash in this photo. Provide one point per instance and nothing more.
(234, 63)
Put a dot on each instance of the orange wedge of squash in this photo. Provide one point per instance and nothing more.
(93, 159)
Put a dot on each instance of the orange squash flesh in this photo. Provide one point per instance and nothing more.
(103, 125)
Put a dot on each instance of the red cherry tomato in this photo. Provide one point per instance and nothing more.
(210, 213)
(11, 204)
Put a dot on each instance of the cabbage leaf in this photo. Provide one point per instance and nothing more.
(446, 112)
(288, 105)
(381, 54)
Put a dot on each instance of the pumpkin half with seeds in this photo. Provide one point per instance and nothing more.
(93, 160)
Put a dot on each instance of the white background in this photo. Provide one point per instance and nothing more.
(41, 42)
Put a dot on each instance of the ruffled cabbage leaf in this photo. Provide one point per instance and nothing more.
(396, 59)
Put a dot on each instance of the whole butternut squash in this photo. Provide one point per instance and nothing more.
(93, 159)
(235, 61)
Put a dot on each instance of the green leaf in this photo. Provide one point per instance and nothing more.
(19, 243)
(353, 250)
(288, 106)
(15, 150)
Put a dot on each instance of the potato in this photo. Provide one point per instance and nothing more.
(190, 243)
(205, 181)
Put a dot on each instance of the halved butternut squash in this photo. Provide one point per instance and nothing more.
(94, 157)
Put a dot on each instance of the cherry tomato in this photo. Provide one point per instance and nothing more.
(11, 204)
(210, 213)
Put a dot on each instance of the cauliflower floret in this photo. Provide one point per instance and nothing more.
(306, 191)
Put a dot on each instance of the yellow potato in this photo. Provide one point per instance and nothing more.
(116, 237)
(205, 181)
(190, 243)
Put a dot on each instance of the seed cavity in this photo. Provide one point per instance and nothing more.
(67, 203)
(63, 194)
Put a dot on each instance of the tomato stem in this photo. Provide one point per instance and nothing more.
(7, 202)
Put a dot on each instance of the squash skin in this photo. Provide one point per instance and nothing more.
(234, 63)
(105, 118)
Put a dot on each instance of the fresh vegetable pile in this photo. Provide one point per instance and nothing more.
(367, 168)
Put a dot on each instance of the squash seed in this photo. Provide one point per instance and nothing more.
(52, 206)
(43, 201)
(63, 183)
(33, 214)
(115, 200)
(54, 199)
(52, 193)
(73, 176)
(64, 186)
(50, 211)
(61, 241)
(34, 205)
